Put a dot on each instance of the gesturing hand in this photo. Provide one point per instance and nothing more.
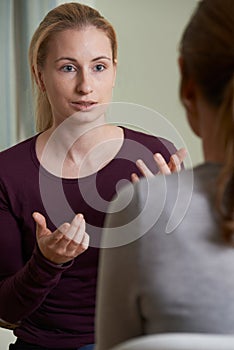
(65, 243)
(174, 165)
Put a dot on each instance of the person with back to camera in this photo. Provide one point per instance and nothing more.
(180, 277)
(47, 272)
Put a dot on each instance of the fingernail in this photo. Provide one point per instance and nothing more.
(157, 155)
(139, 161)
(79, 218)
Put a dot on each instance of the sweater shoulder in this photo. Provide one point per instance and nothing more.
(17, 157)
(152, 142)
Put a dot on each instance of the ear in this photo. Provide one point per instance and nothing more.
(39, 79)
(115, 71)
(188, 95)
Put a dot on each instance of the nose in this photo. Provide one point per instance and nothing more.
(84, 84)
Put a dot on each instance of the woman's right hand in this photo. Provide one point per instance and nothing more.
(65, 243)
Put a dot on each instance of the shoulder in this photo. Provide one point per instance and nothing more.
(154, 143)
(17, 156)
(17, 148)
(167, 201)
(165, 186)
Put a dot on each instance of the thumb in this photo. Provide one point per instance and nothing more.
(41, 227)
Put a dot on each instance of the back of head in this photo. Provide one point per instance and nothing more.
(66, 16)
(207, 48)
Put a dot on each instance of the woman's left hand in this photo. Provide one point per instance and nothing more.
(165, 168)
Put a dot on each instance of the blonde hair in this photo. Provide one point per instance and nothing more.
(207, 48)
(66, 16)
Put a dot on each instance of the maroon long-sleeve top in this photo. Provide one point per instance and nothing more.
(55, 305)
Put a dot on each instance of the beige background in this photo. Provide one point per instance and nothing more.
(148, 34)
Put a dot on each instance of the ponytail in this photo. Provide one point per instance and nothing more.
(44, 117)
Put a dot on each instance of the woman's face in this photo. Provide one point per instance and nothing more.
(78, 74)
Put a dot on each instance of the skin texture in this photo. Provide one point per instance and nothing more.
(78, 68)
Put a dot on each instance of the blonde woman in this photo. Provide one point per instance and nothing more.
(55, 187)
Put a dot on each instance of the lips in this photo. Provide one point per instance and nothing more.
(83, 105)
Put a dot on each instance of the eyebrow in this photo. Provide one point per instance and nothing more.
(74, 60)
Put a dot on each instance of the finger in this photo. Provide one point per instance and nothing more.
(174, 164)
(39, 219)
(74, 226)
(79, 235)
(77, 249)
(162, 165)
(181, 154)
(41, 226)
(143, 168)
(176, 160)
(59, 236)
(85, 241)
(134, 178)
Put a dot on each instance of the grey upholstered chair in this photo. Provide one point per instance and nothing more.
(179, 341)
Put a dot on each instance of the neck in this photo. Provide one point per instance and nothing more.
(70, 136)
(66, 151)
(210, 139)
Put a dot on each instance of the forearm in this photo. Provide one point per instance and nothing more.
(24, 292)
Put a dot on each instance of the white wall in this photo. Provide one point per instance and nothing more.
(148, 34)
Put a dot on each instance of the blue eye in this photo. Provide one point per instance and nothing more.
(99, 67)
(68, 68)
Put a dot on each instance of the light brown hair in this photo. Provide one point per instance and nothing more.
(67, 16)
(207, 48)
